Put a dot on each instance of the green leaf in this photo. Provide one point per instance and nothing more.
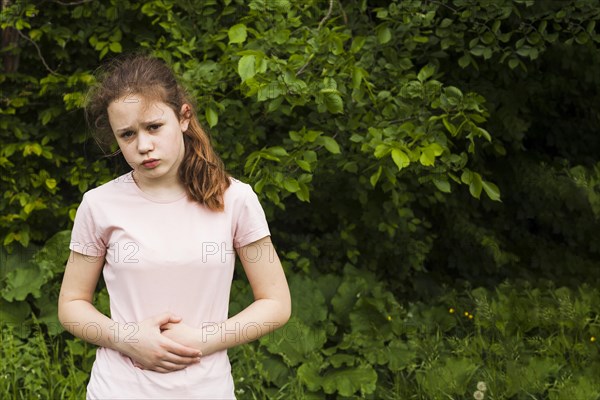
(115, 47)
(211, 116)
(427, 157)
(454, 93)
(52, 257)
(426, 72)
(446, 22)
(336, 45)
(464, 61)
(338, 360)
(272, 195)
(295, 341)
(384, 35)
(496, 26)
(246, 67)
(357, 77)
(400, 158)
(491, 190)
(375, 177)
(103, 52)
(22, 282)
(304, 165)
(357, 43)
(381, 150)
(29, 207)
(291, 185)
(466, 177)
(303, 194)
(484, 133)
(277, 151)
(442, 184)
(14, 313)
(309, 374)
(436, 149)
(35, 34)
(308, 302)
(275, 370)
(333, 102)
(478, 50)
(330, 144)
(348, 381)
(449, 126)
(401, 354)
(237, 33)
(51, 183)
(476, 185)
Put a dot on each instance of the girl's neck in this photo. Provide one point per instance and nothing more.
(166, 188)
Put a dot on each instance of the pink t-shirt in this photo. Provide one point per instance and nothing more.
(175, 256)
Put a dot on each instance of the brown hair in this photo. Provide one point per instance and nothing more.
(201, 171)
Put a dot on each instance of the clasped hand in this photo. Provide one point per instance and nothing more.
(164, 344)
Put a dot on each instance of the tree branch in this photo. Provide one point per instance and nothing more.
(72, 3)
(39, 53)
(343, 12)
(325, 18)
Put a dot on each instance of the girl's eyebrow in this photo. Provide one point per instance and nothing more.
(128, 128)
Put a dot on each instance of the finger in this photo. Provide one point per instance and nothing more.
(168, 325)
(181, 350)
(173, 359)
(175, 318)
(172, 366)
(165, 366)
(166, 317)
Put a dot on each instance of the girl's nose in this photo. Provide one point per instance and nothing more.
(144, 142)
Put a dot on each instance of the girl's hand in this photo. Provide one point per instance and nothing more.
(184, 334)
(148, 349)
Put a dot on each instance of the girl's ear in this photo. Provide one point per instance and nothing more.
(185, 115)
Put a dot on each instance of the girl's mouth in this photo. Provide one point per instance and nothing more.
(151, 163)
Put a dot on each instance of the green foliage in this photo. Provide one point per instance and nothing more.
(43, 366)
(29, 283)
(350, 337)
(396, 109)
(423, 144)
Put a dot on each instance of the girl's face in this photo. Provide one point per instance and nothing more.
(150, 137)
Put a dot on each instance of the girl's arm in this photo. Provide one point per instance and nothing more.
(142, 342)
(270, 310)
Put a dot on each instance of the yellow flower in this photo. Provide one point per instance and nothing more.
(466, 313)
(451, 310)
(389, 317)
(470, 316)
(593, 339)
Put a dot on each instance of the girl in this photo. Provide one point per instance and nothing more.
(165, 236)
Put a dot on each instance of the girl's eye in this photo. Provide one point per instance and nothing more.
(127, 135)
(154, 127)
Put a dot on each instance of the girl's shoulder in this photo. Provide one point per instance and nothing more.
(239, 194)
(238, 188)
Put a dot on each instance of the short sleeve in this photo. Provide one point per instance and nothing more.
(251, 224)
(86, 238)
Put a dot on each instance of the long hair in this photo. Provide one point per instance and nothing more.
(201, 171)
